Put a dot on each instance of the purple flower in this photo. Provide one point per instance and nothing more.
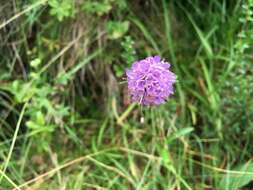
(150, 82)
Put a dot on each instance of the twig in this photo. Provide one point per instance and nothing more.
(13, 141)
(22, 13)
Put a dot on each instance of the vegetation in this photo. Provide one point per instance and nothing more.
(67, 122)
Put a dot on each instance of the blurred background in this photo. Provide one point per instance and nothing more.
(67, 122)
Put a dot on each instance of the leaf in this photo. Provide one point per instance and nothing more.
(232, 181)
(99, 8)
(203, 39)
(183, 132)
(40, 119)
(61, 9)
(117, 29)
(21, 91)
(179, 133)
(35, 63)
(146, 34)
(32, 125)
(165, 156)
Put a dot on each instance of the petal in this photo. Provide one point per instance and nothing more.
(157, 58)
(129, 73)
(141, 84)
(144, 66)
(165, 65)
(135, 65)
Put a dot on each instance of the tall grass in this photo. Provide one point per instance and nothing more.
(66, 121)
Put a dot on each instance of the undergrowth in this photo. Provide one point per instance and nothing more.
(67, 122)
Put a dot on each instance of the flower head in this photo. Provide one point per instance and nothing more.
(150, 82)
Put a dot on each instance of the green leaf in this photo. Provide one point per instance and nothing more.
(231, 181)
(179, 133)
(165, 156)
(117, 29)
(40, 119)
(21, 91)
(146, 34)
(98, 8)
(35, 63)
(183, 132)
(203, 39)
(62, 9)
(32, 125)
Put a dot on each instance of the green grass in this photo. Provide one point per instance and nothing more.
(66, 121)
